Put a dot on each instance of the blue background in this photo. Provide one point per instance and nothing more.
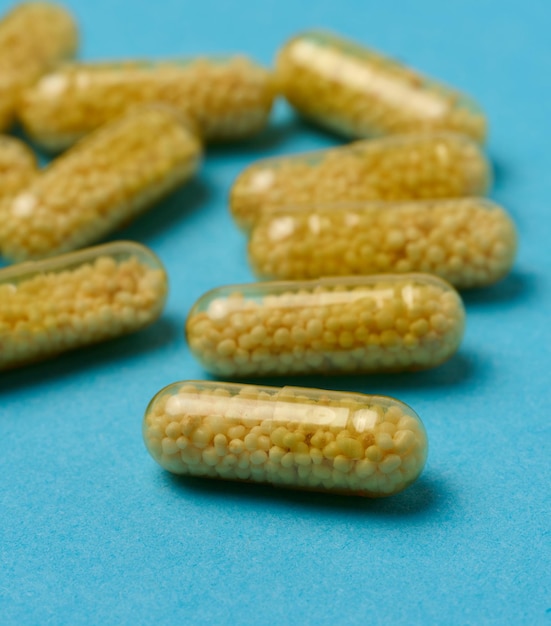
(93, 531)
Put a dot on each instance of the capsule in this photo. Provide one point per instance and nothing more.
(368, 324)
(408, 167)
(227, 98)
(348, 443)
(77, 299)
(357, 92)
(34, 37)
(100, 185)
(470, 242)
(17, 166)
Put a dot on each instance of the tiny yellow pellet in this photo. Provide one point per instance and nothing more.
(470, 242)
(34, 37)
(101, 184)
(357, 92)
(406, 167)
(18, 166)
(312, 439)
(372, 324)
(228, 98)
(49, 307)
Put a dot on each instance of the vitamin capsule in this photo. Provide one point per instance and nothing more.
(74, 300)
(102, 183)
(227, 98)
(17, 166)
(348, 443)
(470, 242)
(408, 167)
(34, 36)
(359, 93)
(366, 324)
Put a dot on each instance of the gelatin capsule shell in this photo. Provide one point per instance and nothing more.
(369, 324)
(293, 437)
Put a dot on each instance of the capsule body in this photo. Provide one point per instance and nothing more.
(349, 325)
(226, 98)
(101, 184)
(470, 242)
(408, 167)
(34, 36)
(74, 300)
(17, 166)
(313, 439)
(359, 93)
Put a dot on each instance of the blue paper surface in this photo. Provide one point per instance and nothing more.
(92, 531)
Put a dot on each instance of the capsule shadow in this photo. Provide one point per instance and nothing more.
(515, 286)
(169, 211)
(428, 495)
(461, 367)
(118, 350)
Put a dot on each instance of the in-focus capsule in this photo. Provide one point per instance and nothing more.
(359, 93)
(470, 242)
(49, 307)
(348, 443)
(17, 166)
(34, 36)
(101, 184)
(408, 167)
(227, 98)
(371, 324)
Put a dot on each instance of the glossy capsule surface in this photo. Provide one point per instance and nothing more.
(227, 98)
(17, 166)
(101, 184)
(77, 299)
(347, 443)
(372, 324)
(406, 167)
(34, 37)
(470, 242)
(359, 93)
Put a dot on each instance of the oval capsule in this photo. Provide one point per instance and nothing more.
(227, 98)
(357, 92)
(101, 184)
(34, 36)
(470, 242)
(409, 167)
(18, 166)
(74, 300)
(372, 324)
(348, 443)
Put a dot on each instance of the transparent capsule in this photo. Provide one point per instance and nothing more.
(313, 439)
(470, 242)
(34, 36)
(17, 166)
(101, 184)
(227, 98)
(359, 93)
(371, 324)
(77, 299)
(408, 167)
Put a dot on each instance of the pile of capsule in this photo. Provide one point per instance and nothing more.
(360, 247)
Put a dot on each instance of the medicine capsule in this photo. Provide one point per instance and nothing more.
(34, 36)
(227, 98)
(17, 166)
(101, 184)
(408, 167)
(470, 242)
(370, 324)
(359, 93)
(348, 443)
(77, 299)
